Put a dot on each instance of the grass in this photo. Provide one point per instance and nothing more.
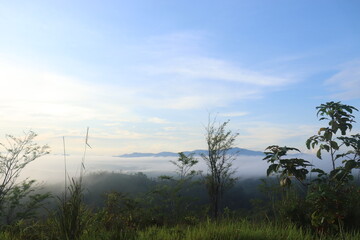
(209, 230)
(231, 230)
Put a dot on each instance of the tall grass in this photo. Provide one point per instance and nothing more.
(221, 230)
(232, 230)
(71, 217)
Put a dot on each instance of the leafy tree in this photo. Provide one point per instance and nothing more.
(184, 165)
(340, 118)
(122, 214)
(288, 204)
(22, 202)
(287, 168)
(14, 157)
(171, 194)
(331, 194)
(331, 198)
(219, 162)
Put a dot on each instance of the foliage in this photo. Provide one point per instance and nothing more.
(287, 168)
(282, 204)
(329, 195)
(170, 196)
(16, 200)
(340, 118)
(184, 165)
(22, 203)
(172, 207)
(219, 162)
(286, 203)
(122, 215)
(71, 213)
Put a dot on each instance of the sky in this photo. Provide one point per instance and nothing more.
(145, 76)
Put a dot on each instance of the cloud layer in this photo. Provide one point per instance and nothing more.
(346, 83)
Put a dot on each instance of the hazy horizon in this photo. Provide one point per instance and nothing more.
(51, 168)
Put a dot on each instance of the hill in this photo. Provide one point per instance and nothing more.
(240, 151)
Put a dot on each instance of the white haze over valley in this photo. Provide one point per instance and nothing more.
(50, 168)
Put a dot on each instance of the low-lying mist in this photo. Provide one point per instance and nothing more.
(139, 178)
(51, 168)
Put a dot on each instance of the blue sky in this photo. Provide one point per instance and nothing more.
(145, 75)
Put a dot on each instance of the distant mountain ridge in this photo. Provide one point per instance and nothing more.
(240, 151)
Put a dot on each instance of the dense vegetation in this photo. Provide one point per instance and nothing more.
(289, 204)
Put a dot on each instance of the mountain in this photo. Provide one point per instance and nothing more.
(240, 151)
(137, 154)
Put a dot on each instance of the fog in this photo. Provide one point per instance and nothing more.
(51, 168)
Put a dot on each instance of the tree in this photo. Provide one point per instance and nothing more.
(219, 162)
(331, 198)
(14, 157)
(184, 165)
(286, 167)
(340, 118)
(171, 194)
(286, 202)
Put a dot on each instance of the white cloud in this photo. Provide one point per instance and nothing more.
(56, 105)
(189, 102)
(184, 78)
(234, 114)
(40, 96)
(346, 83)
(215, 69)
(157, 120)
(179, 74)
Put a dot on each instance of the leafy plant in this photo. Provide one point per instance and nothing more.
(288, 205)
(219, 162)
(22, 202)
(184, 165)
(170, 195)
(331, 193)
(340, 118)
(16, 200)
(285, 167)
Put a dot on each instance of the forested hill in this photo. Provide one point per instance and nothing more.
(240, 151)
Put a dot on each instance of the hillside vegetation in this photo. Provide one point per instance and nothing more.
(296, 200)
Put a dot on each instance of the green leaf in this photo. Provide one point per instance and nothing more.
(326, 147)
(308, 142)
(318, 154)
(272, 168)
(334, 145)
(335, 127)
(350, 164)
(318, 170)
(328, 135)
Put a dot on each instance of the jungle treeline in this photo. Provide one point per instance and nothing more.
(294, 199)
